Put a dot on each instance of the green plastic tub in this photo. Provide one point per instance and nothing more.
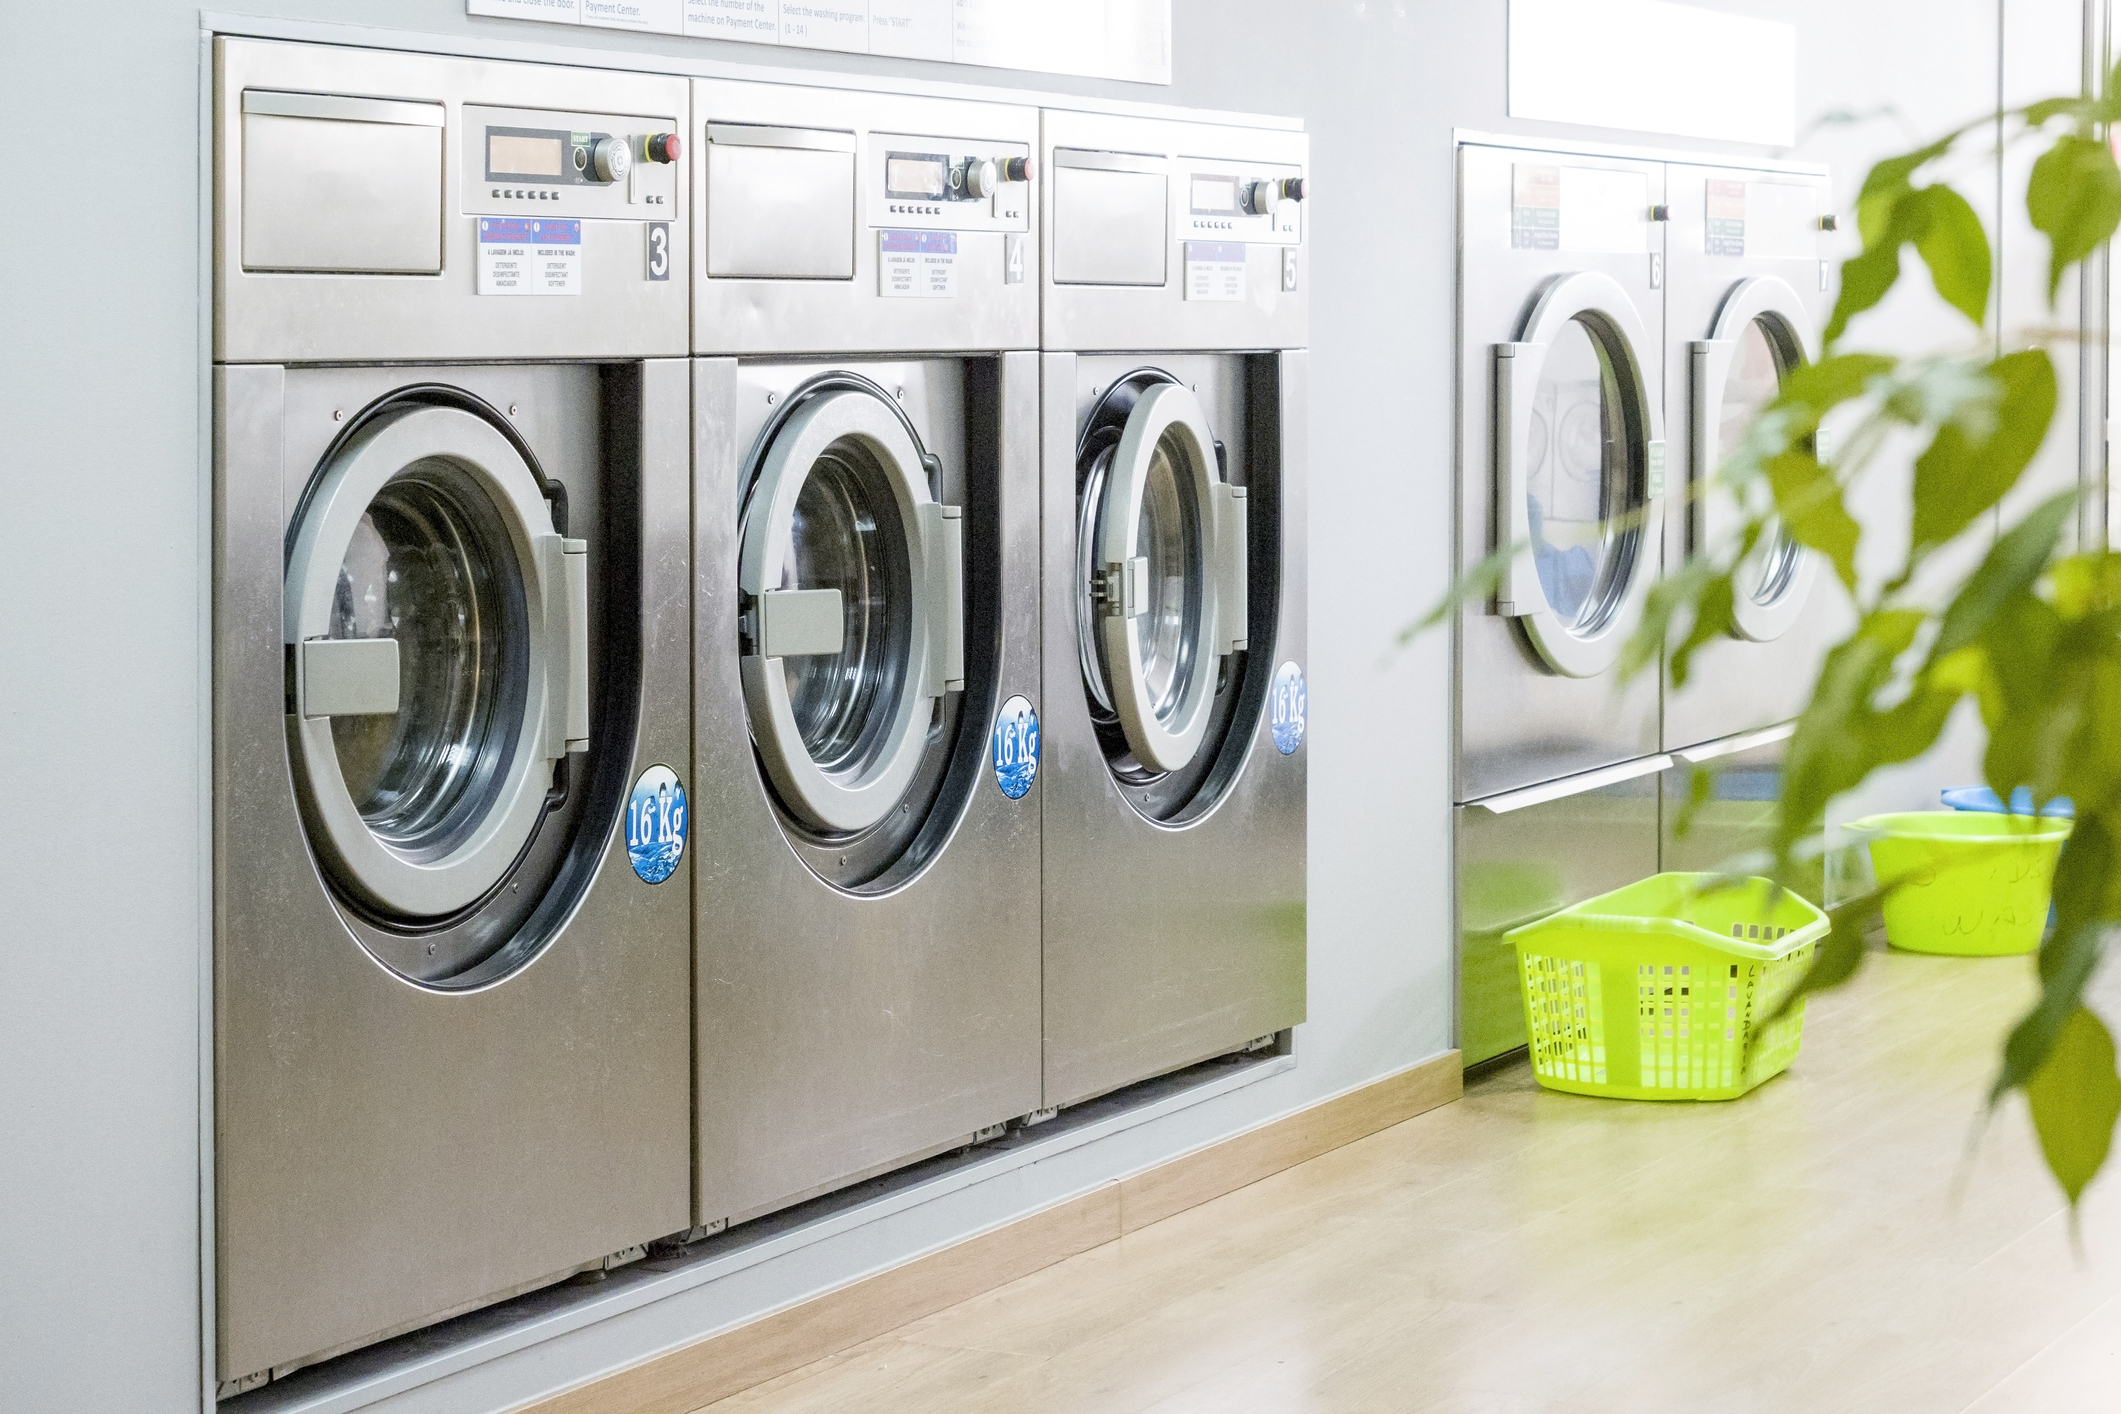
(1971, 885)
(1659, 991)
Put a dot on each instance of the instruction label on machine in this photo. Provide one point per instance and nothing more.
(916, 264)
(521, 256)
(1761, 220)
(1578, 208)
(1215, 270)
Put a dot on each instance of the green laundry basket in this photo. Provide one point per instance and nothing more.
(1652, 992)
(1970, 885)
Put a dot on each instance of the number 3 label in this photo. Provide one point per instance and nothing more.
(658, 250)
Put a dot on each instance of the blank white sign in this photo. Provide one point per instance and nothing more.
(1654, 67)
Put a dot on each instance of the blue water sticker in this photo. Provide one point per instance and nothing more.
(656, 820)
(1016, 747)
(1287, 706)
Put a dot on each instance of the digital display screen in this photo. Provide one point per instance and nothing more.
(524, 155)
(916, 176)
(1214, 196)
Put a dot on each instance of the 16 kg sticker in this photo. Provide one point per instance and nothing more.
(1287, 705)
(655, 824)
(1016, 747)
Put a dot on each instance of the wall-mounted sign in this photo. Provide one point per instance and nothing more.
(1113, 39)
(1654, 67)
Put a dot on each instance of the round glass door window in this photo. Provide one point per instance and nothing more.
(1581, 490)
(1767, 350)
(851, 579)
(1161, 585)
(437, 627)
(430, 568)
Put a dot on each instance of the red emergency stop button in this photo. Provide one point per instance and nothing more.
(664, 147)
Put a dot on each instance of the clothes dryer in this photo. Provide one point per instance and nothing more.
(1176, 314)
(1747, 296)
(1562, 475)
(866, 405)
(450, 718)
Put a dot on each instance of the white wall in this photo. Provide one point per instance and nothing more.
(102, 834)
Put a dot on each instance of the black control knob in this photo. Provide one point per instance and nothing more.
(1261, 197)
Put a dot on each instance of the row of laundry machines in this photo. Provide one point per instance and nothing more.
(1622, 318)
(757, 638)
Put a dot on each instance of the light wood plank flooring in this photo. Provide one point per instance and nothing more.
(1847, 1238)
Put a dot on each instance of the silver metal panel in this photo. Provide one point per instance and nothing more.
(779, 212)
(1091, 317)
(335, 194)
(387, 1154)
(840, 1035)
(1732, 830)
(1520, 866)
(1110, 228)
(1734, 686)
(737, 309)
(1166, 946)
(298, 318)
(1518, 724)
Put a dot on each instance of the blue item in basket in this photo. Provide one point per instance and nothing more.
(1985, 801)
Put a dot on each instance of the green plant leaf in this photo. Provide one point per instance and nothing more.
(2074, 198)
(1949, 238)
(2069, 954)
(1818, 387)
(1809, 500)
(1840, 952)
(1961, 475)
(1866, 278)
(2011, 566)
(2075, 1098)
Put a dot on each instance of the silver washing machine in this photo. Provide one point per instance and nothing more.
(451, 688)
(1562, 454)
(1176, 314)
(866, 680)
(1747, 294)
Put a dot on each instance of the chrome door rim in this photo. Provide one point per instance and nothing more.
(1562, 647)
(1760, 297)
(1165, 743)
(379, 874)
(810, 432)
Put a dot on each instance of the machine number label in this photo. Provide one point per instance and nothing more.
(1016, 747)
(521, 256)
(658, 250)
(1215, 270)
(1288, 706)
(916, 264)
(656, 822)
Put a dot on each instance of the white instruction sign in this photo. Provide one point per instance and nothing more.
(916, 264)
(521, 256)
(1215, 270)
(1596, 209)
(1113, 39)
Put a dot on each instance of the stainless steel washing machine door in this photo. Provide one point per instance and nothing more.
(437, 626)
(1161, 579)
(1762, 333)
(1579, 473)
(852, 579)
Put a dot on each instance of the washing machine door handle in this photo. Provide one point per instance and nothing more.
(564, 583)
(1516, 377)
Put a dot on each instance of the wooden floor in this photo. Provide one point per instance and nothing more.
(1826, 1244)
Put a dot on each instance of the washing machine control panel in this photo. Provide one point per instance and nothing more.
(1238, 201)
(596, 165)
(947, 184)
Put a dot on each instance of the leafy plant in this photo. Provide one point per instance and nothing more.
(2031, 633)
